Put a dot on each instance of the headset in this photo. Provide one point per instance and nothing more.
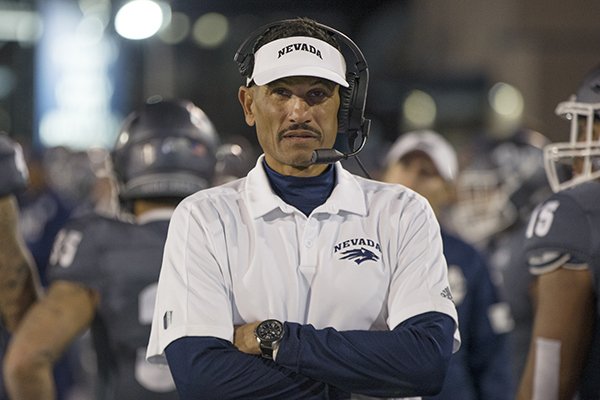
(351, 120)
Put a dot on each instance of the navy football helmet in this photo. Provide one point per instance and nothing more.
(583, 147)
(165, 149)
(234, 159)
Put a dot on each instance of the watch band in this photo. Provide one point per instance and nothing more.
(267, 351)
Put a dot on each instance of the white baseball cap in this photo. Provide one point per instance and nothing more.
(298, 56)
(431, 143)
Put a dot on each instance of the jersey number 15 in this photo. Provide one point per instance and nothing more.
(541, 219)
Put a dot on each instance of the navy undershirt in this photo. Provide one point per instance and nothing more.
(304, 193)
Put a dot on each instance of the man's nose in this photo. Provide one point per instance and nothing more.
(299, 110)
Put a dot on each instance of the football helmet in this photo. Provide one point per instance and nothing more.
(501, 186)
(583, 148)
(13, 169)
(165, 149)
(234, 160)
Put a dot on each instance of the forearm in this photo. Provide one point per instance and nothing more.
(215, 369)
(31, 382)
(19, 283)
(411, 360)
(560, 342)
(18, 292)
(28, 365)
(41, 338)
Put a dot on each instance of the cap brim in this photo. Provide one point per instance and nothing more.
(298, 56)
(273, 74)
(430, 143)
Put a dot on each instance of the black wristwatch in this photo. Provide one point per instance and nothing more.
(268, 334)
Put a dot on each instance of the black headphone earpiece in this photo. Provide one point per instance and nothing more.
(246, 65)
(244, 56)
(346, 97)
(351, 120)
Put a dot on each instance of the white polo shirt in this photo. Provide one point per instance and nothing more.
(368, 258)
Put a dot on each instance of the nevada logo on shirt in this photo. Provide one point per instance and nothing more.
(358, 250)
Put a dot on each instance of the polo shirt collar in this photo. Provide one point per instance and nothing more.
(347, 194)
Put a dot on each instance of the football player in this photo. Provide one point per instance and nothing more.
(103, 271)
(19, 283)
(563, 249)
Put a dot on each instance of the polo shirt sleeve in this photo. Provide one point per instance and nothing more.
(420, 277)
(192, 296)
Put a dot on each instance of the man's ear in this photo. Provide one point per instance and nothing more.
(246, 98)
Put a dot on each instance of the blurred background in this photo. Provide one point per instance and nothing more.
(71, 69)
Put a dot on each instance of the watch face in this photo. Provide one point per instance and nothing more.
(269, 330)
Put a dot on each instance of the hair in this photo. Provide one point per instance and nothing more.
(299, 26)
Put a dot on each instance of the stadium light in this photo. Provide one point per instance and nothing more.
(140, 19)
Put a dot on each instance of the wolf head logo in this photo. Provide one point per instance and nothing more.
(359, 255)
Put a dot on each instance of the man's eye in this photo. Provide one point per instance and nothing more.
(317, 96)
(281, 92)
(317, 93)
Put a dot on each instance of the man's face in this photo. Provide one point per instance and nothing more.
(417, 171)
(293, 116)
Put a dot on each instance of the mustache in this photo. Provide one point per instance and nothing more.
(298, 127)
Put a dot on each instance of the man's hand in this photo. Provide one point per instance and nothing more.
(245, 339)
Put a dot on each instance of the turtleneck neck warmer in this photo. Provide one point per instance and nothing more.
(304, 193)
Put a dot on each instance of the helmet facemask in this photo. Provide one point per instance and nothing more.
(581, 154)
(483, 206)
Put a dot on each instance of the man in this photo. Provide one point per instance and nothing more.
(19, 283)
(103, 271)
(18, 289)
(564, 253)
(427, 163)
(341, 279)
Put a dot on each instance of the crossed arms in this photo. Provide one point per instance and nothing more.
(314, 363)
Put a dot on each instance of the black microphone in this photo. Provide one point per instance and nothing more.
(330, 156)
(327, 156)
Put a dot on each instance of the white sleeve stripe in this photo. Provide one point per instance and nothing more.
(564, 262)
(576, 267)
(538, 269)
